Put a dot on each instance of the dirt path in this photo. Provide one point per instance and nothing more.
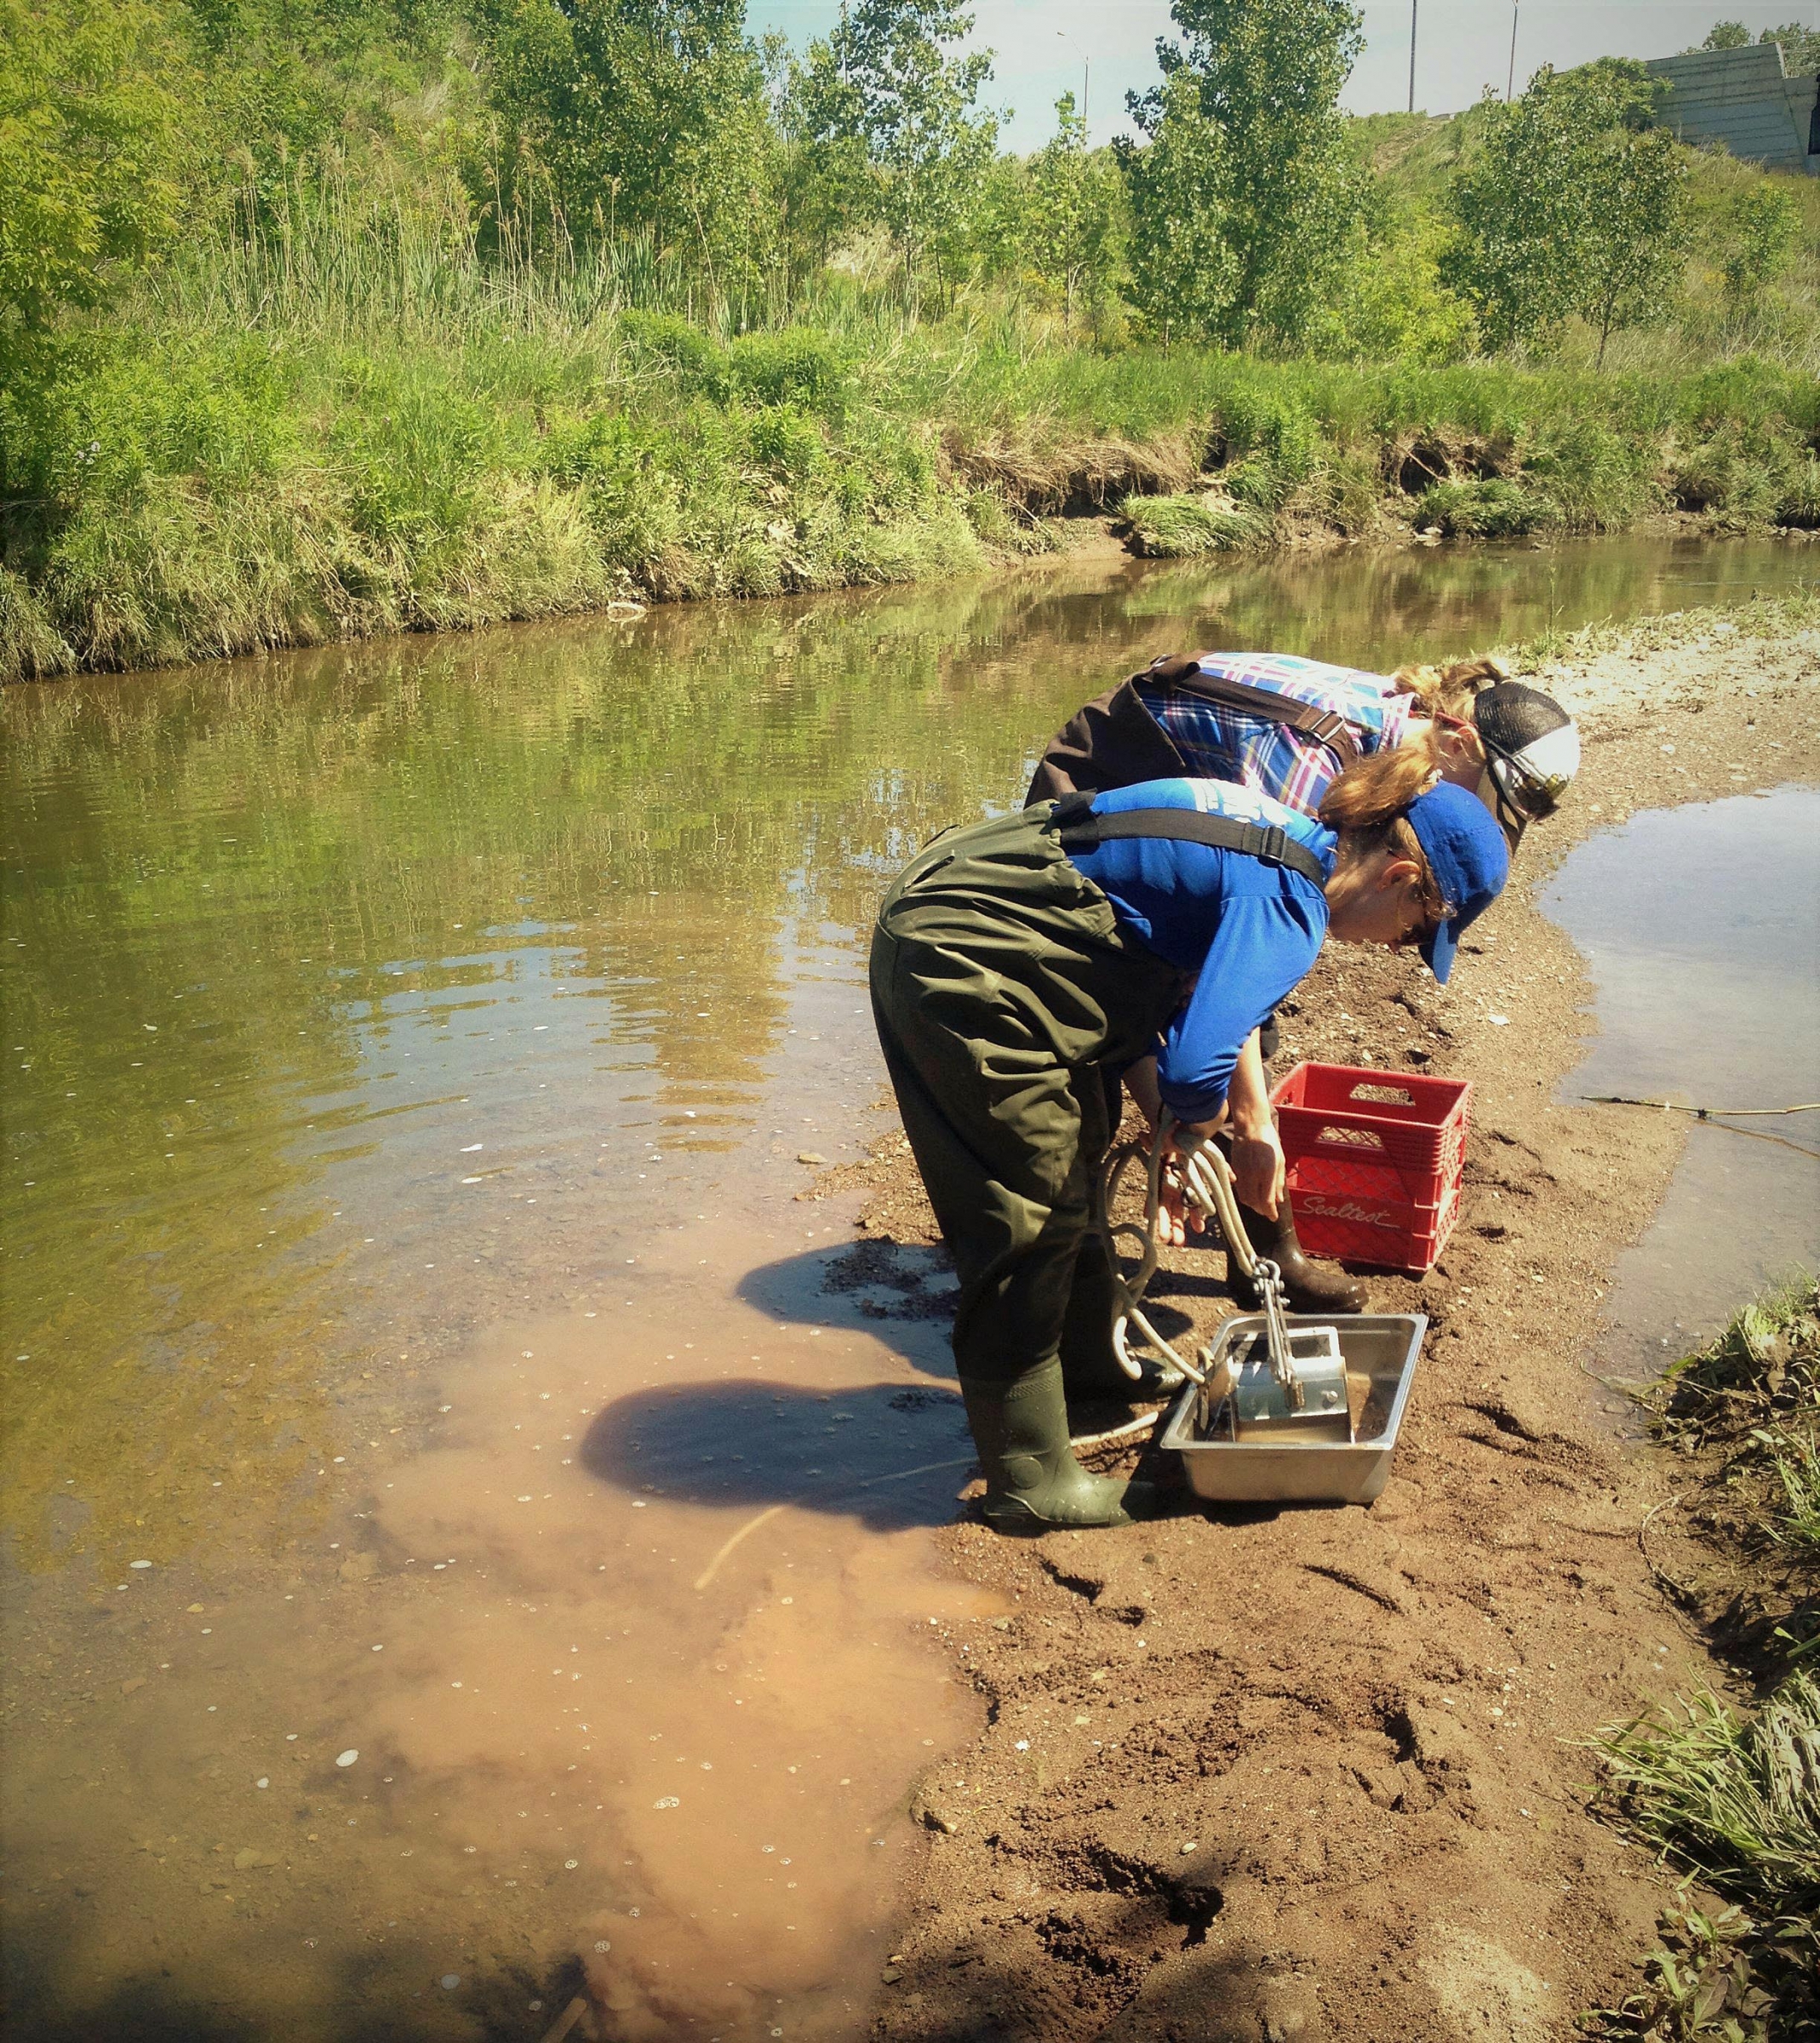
(1262, 1774)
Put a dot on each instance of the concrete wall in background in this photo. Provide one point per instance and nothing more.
(1742, 98)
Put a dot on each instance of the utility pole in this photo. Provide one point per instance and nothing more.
(1510, 81)
(1412, 4)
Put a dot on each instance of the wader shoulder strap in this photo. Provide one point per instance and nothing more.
(1080, 829)
(1326, 726)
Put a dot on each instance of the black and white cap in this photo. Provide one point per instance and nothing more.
(1532, 751)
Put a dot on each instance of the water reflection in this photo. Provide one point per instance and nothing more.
(1701, 926)
(377, 1015)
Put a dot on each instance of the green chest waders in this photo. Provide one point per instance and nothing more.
(1001, 983)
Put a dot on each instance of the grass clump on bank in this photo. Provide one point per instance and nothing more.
(1730, 1795)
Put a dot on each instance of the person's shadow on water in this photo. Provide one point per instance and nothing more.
(889, 1455)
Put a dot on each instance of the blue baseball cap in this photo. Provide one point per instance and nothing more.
(1469, 858)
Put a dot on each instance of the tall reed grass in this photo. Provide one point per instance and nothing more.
(346, 408)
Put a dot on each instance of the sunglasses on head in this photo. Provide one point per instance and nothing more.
(1523, 795)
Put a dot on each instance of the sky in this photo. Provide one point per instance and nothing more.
(1462, 46)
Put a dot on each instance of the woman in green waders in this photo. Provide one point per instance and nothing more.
(1016, 961)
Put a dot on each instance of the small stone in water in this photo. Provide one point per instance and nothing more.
(449, 1982)
(347, 1757)
(570, 1864)
(139, 1564)
(601, 1944)
(668, 1801)
(264, 1781)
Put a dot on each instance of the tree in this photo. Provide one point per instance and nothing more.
(88, 157)
(1565, 202)
(881, 84)
(1800, 46)
(1255, 84)
(1636, 231)
(1073, 218)
(643, 114)
(1184, 268)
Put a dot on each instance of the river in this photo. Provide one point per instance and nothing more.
(453, 1534)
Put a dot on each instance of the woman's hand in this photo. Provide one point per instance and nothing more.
(1176, 1218)
(1258, 1170)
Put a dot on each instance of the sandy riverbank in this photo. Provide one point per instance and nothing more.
(1266, 1775)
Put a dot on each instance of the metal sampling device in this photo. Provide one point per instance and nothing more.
(1278, 1381)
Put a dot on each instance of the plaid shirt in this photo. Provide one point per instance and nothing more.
(1221, 744)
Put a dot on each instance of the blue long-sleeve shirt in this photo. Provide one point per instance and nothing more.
(1251, 929)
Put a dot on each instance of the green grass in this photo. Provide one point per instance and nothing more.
(1178, 527)
(347, 420)
(1730, 1795)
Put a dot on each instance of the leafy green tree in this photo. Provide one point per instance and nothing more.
(823, 185)
(89, 157)
(1255, 86)
(1635, 236)
(646, 115)
(1074, 203)
(1567, 201)
(1185, 270)
(882, 83)
(1800, 45)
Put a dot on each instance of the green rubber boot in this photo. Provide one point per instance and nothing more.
(1033, 1480)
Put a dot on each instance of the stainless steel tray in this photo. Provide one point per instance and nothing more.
(1381, 1346)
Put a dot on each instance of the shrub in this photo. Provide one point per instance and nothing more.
(1799, 502)
(1598, 478)
(1173, 528)
(1491, 509)
(661, 340)
(798, 366)
(785, 441)
(415, 452)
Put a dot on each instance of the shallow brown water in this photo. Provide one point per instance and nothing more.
(1702, 928)
(411, 1050)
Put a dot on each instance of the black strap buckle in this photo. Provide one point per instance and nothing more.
(1273, 843)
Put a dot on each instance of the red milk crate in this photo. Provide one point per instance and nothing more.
(1374, 1159)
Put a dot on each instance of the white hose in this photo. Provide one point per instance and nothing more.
(1207, 1180)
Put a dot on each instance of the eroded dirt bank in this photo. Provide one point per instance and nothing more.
(1265, 1774)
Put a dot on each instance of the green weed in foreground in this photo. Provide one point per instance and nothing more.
(1704, 1982)
(1735, 1797)
(1731, 1795)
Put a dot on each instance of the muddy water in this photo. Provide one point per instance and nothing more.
(415, 1348)
(1702, 925)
